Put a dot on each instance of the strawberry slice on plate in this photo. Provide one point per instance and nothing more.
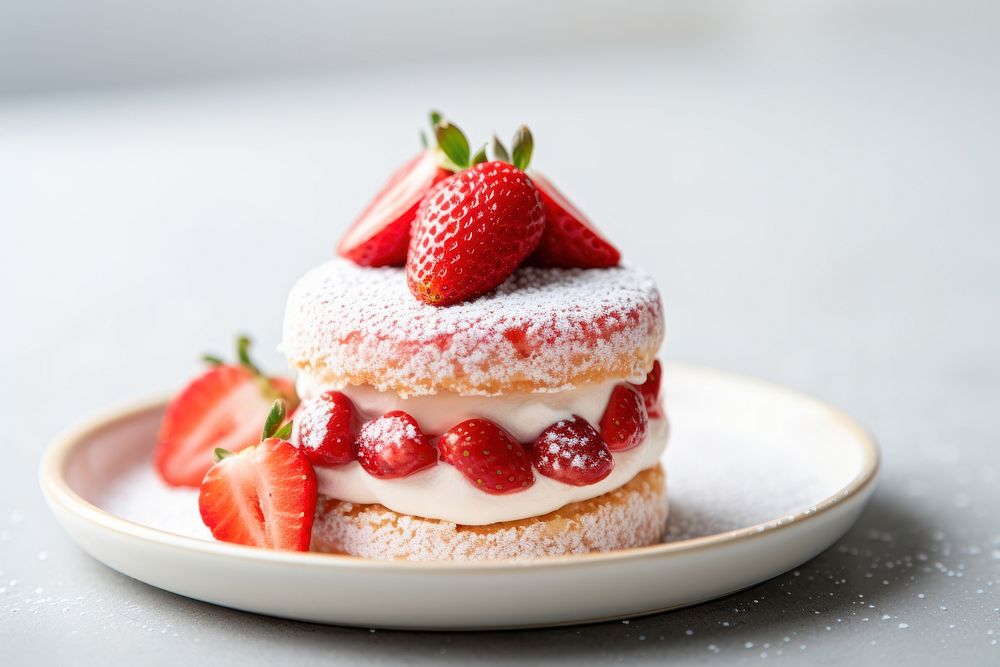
(573, 452)
(488, 456)
(264, 496)
(220, 408)
(624, 422)
(381, 234)
(394, 446)
(570, 239)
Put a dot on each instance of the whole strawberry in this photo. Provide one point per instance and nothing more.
(650, 391)
(488, 456)
(573, 452)
(325, 429)
(624, 422)
(472, 230)
(394, 446)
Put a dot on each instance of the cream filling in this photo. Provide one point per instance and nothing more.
(524, 415)
(442, 492)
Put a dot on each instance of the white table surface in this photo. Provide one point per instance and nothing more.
(820, 209)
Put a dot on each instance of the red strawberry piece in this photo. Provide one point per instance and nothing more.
(381, 234)
(220, 408)
(488, 456)
(573, 452)
(570, 239)
(650, 391)
(264, 496)
(325, 429)
(394, 446)
(471, 232)
(624, 423)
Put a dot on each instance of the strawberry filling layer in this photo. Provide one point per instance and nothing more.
(523, 415)
(442, 492)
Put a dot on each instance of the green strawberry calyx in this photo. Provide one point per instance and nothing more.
(243, 344)
(275, 426)
(455, 154)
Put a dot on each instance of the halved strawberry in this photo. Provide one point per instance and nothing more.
(573, 452)
(393, 446)
(381, 234)
(570, 239)
(264, 496)
(488, 456)
(220, 408)
(325, 429)
(650, 391)
(624, 423)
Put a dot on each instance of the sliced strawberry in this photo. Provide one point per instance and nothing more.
(221, 408)
(624, 423)
(650, 391)
(381, 234)
(488, 456)
(393, 446)
(570, 239)
(325, 429)
(264, 496)
(573, 452)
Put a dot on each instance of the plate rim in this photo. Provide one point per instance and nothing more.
(61, 496)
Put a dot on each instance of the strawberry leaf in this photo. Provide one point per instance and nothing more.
(500, 151)
(480, 155)
(283, 433)
(212, 360)
(243, 354)
(423, 138)
(436, 117)
(453, 143)
(274, 419)
(522, 147)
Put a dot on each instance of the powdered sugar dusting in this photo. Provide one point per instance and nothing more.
(633, 515)
(542, 330)
(572, 445)
(310, 424)
(388, 431)
(559, 446)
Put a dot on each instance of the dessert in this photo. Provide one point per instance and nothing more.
(530, 374)
(477, 379)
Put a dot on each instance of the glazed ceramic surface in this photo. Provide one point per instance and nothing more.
(760, 478)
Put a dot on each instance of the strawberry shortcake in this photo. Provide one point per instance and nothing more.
(503, 426)
(477, 379)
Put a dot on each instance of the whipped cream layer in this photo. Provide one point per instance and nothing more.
(525, 415)
(442, 492)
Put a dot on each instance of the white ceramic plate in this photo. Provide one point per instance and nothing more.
(761, 480)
